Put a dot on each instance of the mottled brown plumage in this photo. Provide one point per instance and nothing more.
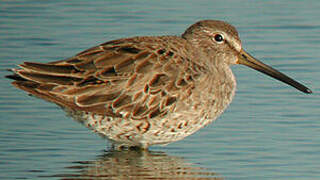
(142, 91)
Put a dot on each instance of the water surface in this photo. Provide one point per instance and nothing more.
(270, 131)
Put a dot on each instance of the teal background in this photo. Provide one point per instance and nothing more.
(270, 131)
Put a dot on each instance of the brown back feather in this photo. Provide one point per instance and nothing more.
(121, 78)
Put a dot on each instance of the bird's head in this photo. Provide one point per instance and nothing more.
(220, 41)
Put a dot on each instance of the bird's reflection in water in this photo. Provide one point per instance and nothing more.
(137, 165)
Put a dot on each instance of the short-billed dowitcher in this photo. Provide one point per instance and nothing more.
(142, 91)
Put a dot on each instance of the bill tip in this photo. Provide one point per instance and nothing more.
(308, 91)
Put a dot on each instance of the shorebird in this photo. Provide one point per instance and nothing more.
(148, 90)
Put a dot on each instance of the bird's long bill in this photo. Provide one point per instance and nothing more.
(248, 60)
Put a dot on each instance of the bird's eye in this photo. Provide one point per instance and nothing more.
(218, 38)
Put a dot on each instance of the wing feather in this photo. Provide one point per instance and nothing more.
(129, 78)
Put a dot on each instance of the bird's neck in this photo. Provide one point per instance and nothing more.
(223, 86)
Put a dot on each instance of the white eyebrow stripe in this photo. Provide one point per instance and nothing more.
(237, 46)
(209, 32)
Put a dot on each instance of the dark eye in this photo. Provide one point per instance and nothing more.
(218, 38)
